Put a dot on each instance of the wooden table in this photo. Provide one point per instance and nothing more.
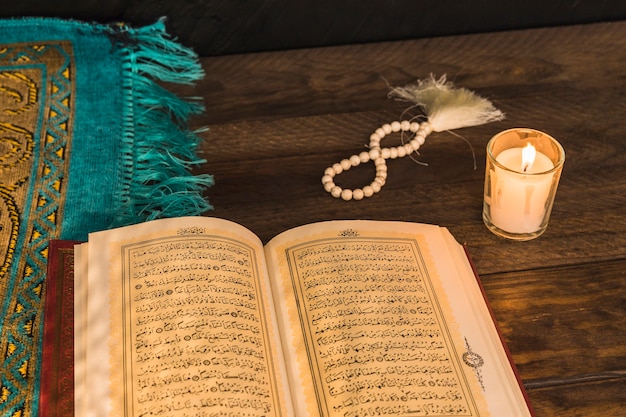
(278, 119)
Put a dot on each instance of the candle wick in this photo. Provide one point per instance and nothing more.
(527, 166)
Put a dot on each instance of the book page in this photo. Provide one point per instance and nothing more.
(378, 320)
(180, 323)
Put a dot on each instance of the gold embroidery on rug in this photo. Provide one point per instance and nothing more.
(36, 118)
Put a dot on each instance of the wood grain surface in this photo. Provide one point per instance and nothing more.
(277, 119)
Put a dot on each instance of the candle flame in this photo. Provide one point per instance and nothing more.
(528, 157)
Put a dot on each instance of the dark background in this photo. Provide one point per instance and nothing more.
(219, 27)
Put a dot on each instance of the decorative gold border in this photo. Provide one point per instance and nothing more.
(37, 88)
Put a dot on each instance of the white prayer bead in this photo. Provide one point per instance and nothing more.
(358, 194)
(379, 156)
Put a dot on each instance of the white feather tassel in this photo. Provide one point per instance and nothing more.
(446, 107)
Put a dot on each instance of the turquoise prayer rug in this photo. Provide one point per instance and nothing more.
(89, 139)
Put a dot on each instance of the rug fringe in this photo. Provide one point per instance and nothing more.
(158, 148)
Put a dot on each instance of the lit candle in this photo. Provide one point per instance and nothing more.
(521, 177)
(520, 192)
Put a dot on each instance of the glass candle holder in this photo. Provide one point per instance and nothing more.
(521, 178)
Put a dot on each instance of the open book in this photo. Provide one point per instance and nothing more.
(195, 317)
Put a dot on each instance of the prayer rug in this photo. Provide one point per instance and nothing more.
(89, 139)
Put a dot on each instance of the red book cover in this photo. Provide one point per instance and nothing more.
(57, 367)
